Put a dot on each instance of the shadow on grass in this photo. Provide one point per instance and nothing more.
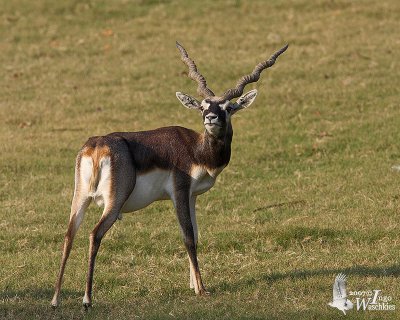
(389, 271)
(34, 303)
(35, 293)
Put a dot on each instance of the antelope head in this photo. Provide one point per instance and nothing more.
(217, 110)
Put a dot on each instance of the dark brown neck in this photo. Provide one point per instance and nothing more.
(216, 151)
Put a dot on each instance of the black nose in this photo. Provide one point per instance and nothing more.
(211, 117)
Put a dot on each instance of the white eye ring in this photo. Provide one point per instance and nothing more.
(224, 105)
(205, 105)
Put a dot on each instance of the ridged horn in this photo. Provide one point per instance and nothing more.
(253, 77)
(202, 89)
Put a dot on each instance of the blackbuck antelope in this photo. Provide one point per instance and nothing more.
(127, 171)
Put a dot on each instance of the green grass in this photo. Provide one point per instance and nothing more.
(309, 191)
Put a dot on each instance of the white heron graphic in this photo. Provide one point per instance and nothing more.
(340, 300)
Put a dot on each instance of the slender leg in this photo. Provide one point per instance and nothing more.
(78, 207)
(182, 205)
(115, 187)
(107, 220)
(192, 205)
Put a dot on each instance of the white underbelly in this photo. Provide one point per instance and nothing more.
(149, 187)
(159, 185)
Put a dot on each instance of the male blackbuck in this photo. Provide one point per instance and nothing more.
(127, 171)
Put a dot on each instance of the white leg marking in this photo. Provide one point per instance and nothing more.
(86, 299)
(193, 217)
(195, 231)
(191, 272)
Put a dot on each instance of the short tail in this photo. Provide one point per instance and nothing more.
(95, 177)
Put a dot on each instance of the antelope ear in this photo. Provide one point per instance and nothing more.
(247, 99)
(244, 101)
(188, 101)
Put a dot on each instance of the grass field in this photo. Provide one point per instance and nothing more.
(309, 191)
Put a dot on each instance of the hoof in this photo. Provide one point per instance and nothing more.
(204, 293)
(86, 302)
(87, 305)
(54, 303)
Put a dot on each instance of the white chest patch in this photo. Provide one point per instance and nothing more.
(203, 178)
(149, 187)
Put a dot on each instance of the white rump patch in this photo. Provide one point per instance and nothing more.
(102, 193)
(86, 172)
